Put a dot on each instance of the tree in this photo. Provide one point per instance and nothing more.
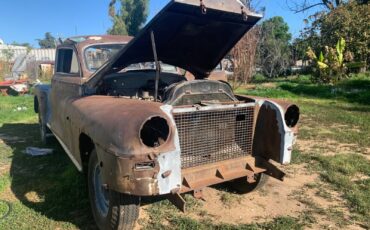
(350, 21)
(299, 48)
(25, 44)
(247, 3)
(243, 57)
(129, 19)
(329, 66)
(6, 57)
(7, 54)
(273, 49)
(304, 5)
(48, 42)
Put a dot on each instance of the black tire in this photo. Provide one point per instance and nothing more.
(115, 211)
(36, 105)
(241, 185)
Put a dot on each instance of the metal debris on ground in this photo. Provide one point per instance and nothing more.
(34, 151)
(20, 108)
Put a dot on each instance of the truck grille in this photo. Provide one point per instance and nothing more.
(214, 135)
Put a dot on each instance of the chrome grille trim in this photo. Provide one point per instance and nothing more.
(214, 133)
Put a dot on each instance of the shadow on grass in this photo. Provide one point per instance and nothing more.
(50, 185)
(354, 91)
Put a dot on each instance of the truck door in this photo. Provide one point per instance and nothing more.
(65, 87)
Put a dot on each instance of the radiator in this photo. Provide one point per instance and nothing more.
(213, 135)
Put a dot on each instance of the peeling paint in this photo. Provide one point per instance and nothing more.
(170, 161)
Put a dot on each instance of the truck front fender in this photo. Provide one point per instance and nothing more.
(273, 138)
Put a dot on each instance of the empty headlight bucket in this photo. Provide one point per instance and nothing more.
(291, 116)
(154, 131)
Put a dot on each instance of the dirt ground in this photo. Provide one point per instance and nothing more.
(300, 194)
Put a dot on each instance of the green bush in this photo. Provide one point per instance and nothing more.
(329, 66)
(258, 78)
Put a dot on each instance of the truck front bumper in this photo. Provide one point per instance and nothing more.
(123, 175)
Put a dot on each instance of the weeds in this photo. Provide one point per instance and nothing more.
(162, 216)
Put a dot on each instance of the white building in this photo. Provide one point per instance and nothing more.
(15, 50)
(24, 59)
(37, 54)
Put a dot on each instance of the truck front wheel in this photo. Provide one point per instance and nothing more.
(111, 210)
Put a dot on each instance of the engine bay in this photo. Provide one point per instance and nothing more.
(173, 89)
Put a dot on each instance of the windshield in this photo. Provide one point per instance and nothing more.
(97, 55)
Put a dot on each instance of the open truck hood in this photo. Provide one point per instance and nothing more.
(192, 34)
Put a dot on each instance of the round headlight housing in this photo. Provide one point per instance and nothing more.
(154, 132)
(291, 116)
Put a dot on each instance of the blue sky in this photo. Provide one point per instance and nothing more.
(25, 20)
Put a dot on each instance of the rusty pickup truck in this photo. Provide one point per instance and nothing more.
(139, 129)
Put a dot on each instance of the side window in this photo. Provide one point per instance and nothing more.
(67, 61)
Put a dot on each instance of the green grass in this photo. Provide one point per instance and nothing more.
(15, 109)
(280, 223)
(356, 90)
(48, 193)
(4, 182)
(336, 120)
(61, 200)
(350, 175)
